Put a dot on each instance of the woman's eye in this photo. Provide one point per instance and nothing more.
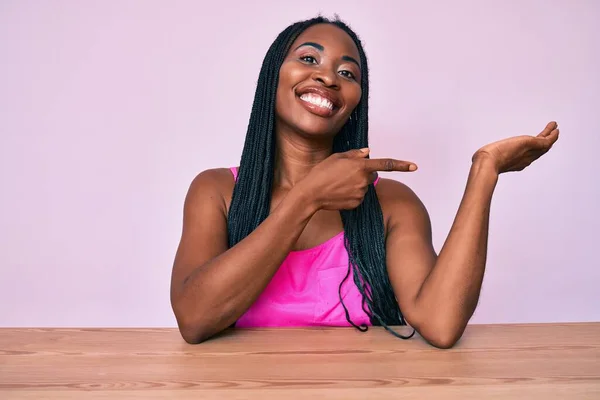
(309, 59)
(347, 74)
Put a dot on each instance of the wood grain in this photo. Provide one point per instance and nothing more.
(549, 361)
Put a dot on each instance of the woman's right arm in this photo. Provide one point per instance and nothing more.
(211, 285)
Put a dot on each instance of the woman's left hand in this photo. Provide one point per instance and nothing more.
(516, 153)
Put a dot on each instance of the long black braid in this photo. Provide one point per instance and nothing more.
(363, 226)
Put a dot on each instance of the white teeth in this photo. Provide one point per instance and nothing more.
(317, 100)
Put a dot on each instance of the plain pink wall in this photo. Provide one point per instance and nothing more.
(109, 109)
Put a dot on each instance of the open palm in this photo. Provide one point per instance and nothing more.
(516, 153)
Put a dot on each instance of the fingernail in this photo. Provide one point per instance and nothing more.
(412, 167)
(364, 150)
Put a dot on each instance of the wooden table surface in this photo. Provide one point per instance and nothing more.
(554, 361)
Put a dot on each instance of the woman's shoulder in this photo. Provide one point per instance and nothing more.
(214, 178)
(399, 201)
(214, 185)
(392, 190)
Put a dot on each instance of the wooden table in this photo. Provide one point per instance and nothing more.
(558, 361)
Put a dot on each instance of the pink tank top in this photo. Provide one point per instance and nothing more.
(305, 290)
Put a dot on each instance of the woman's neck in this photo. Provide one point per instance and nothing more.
(295, 157)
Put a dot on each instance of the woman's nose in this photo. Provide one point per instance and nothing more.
(326, 77)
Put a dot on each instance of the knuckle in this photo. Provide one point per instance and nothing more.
(358, 166)
(388, 164)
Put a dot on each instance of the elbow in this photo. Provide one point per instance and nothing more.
(441, 335)
(191, 328)
(443, 341)
(192, 331)
(199, 326)
(192, 336)
(199, 322)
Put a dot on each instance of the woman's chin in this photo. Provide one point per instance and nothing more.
(317, 131)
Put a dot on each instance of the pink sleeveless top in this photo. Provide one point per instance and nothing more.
(305, 290)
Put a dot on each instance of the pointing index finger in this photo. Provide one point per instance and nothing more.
(388, 164)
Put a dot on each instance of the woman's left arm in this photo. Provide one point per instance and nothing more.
(438, 294)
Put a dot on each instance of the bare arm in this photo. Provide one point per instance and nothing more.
(211, 286)
(439, 294)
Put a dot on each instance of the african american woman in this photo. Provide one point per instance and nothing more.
(305, 232)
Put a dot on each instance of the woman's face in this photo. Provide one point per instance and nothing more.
(319, 82)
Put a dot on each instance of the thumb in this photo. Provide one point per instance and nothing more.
(356, 153)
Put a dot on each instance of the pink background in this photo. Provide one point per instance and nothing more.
(108, 109)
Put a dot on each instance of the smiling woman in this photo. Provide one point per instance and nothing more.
(305, 233)
(325, 95)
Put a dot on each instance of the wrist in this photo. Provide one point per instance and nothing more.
(484, 168)
(303, 200)
(485, 164)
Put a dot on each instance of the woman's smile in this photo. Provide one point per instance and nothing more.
(319, 101)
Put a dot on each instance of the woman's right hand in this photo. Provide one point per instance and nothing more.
(340, 182)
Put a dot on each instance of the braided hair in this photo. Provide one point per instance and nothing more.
(363, 226)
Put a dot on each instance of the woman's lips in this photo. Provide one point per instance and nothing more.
(317, 104)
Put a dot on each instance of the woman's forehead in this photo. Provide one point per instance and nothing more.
(330, 37)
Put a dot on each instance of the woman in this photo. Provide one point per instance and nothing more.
(305, 233)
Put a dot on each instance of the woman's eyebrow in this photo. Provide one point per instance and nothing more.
(312, 44)
(351, 59)
(321, 48)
